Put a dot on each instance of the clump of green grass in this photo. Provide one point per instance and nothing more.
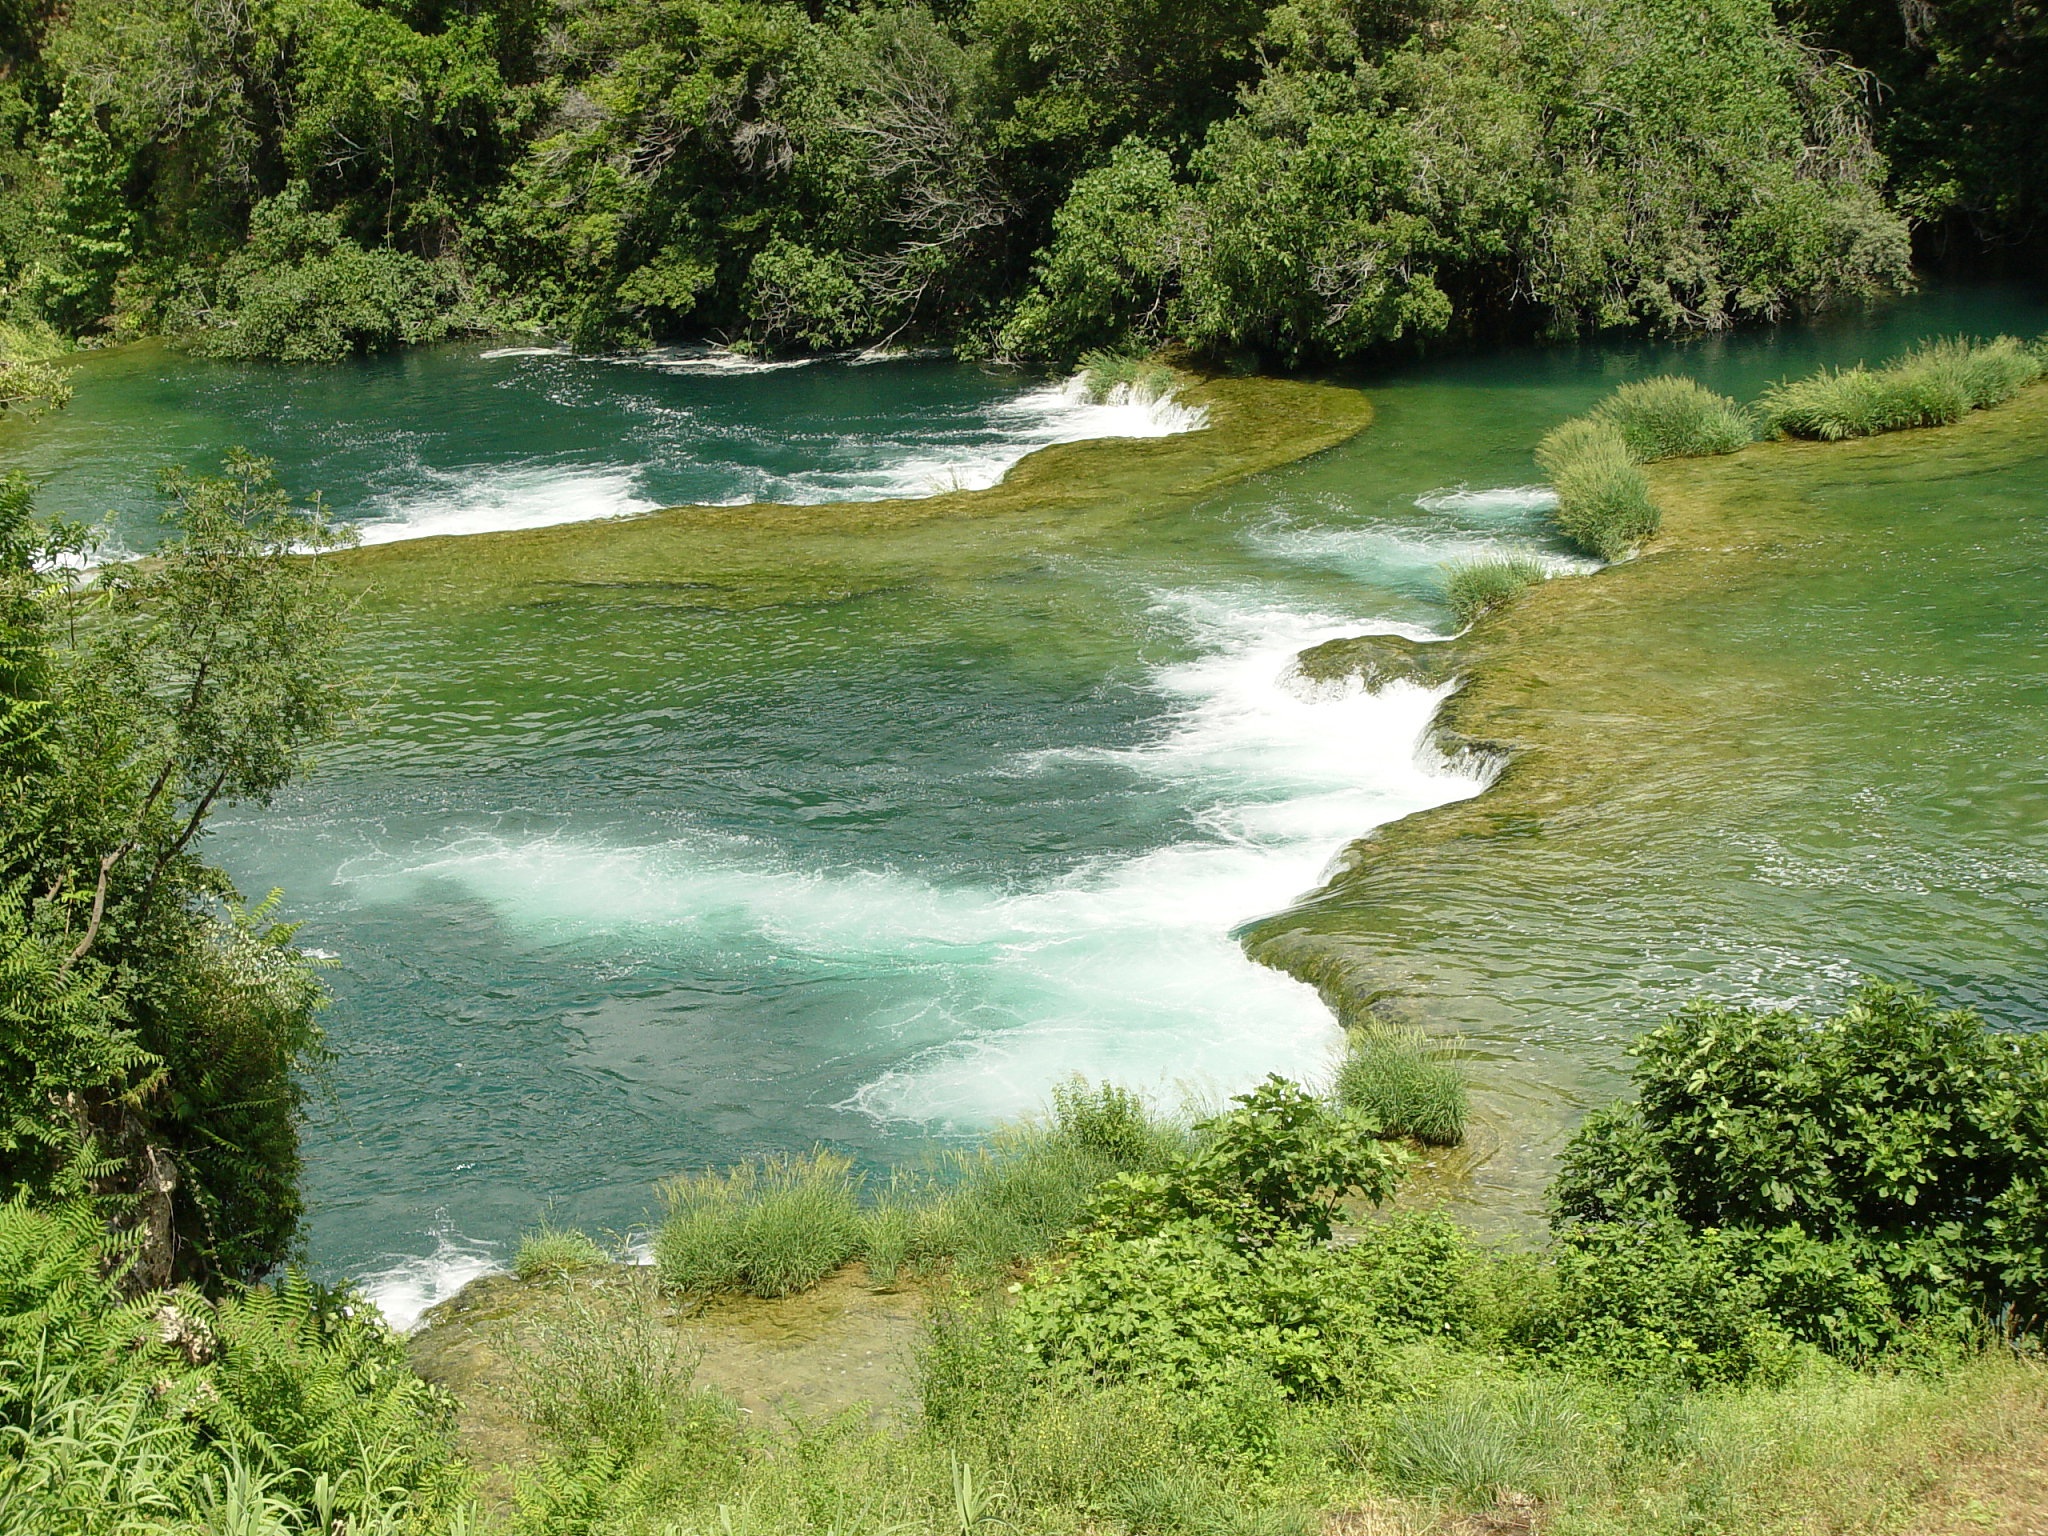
(547, 1252)
(988, 1212)
(1397, 1080)
(1477, 587)
(1603, 501)
(1478, 1443)
(613, 1379)
(1674, 418)
(1104, 373)
(1938, 382)
(770, 1227)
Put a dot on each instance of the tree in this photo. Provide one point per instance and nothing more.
(153, 1027)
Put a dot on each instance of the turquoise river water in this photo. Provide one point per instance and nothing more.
(618, 887)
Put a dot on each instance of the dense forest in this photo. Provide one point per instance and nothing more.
(1013, 178)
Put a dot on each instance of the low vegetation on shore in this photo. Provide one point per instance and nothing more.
(1758, 1301)
(1594, 461)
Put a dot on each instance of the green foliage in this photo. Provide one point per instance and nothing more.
(768, 1227)
(300, 291)
(548, 1252)
(1474, 588)
(161, 1412)
(1277, 1166)
(1937, 383)
(1028, 177)
(159, 1024)
(1187, 1305)
(1654, 1302)
(1113, 375)
(1674, 418)
(1895, 1139)
(1111, 266)
(1603, 501)
(89, 226)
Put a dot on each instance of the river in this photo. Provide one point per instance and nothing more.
(618, 882)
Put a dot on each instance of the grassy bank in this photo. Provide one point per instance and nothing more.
(1191, 1356)
(1594, 462)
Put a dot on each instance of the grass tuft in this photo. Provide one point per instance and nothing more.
(547, 1252)
(1603, 501)
(1108, 374)
(770, 1227)
(1478, 1444)
(1938, 382)
(1674, 418)
(1476, 587)
(1405, 1086)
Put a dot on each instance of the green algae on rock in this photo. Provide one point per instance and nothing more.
(761, 554)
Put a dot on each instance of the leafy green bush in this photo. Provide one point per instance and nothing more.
(1908, 1140)
(768, 1227)
(1652, 1301)
(1476, 587)
(1278, 1165)
(1397, 1082)
(1674, 418)
(1935, 384)
(300, 291)
(1603, 501)
(1188, 1306)
(547, 1252)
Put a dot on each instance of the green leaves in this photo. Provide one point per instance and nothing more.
(1903, 1137)
(1276, 1167)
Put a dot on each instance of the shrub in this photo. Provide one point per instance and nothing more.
(1398, 1083)
(1189, 1307)
(301, 291)
(1674, 418)
(1417, 1276)
(1655, 1302)
(1938, 382)
(1477, 587)
(1910, 1138)
(769, 1227)
(547, 1252)
(1276, 1167)
(1603, 501)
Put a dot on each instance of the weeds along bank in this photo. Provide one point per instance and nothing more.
(1141, 1324)
(1138, 1323)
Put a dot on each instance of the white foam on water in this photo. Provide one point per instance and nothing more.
(981, 453)
(1380, 553)
(503, 497)
(407, 1284)
(1124, 969)
(713, 360)
(974, 455)
(1491, 501)
(496, 352)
